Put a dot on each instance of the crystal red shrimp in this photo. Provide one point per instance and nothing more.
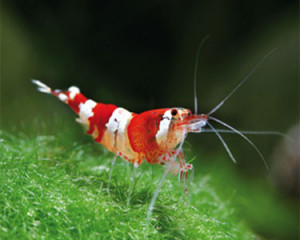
(152, 135)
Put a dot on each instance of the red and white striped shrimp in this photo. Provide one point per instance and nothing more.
(152, 135)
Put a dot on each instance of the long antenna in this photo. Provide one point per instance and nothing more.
(242, 82)
(195, 74)
(243, 136)
(246, 132)
(223, 142)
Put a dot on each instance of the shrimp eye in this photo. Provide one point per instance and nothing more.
(174, 112)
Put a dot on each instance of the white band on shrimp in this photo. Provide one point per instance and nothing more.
(73, 91)
(63, 97)
(118, 120)
(86, 110)
(162, 133)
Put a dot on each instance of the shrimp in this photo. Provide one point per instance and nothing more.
(151, 135)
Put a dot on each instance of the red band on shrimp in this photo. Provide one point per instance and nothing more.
(102, 113)
(75, 102)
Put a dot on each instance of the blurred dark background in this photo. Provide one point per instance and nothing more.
(141, 55)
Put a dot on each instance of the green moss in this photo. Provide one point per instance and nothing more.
(53, 188)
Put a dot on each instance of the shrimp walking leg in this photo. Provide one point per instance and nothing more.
(110, 171)
(135, 166)
(153, 200)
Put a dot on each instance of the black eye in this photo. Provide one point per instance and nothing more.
(174, 112)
